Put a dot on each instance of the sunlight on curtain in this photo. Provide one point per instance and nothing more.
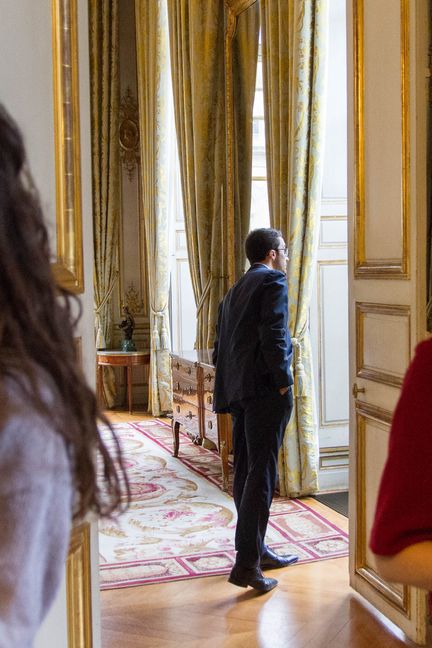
(196, 45)
(294, 64)
(153, 90)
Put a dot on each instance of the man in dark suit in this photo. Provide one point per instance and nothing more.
(252, 355)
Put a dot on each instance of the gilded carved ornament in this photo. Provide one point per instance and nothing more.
(132, 300)
(129, 133)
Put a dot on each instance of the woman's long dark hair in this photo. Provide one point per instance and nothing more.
(36, 335)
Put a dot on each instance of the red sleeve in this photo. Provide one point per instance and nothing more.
(403, 513)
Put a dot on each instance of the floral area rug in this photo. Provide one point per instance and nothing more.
(181, 524)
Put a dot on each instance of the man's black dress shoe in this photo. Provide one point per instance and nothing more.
(243, 576)
(272, 560)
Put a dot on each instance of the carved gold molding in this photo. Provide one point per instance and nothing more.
(142, 291)
(380, 268)
(133, 300)
(370, 373)
(129, 137)
(391, 593)
(68, 266)
(78, 588)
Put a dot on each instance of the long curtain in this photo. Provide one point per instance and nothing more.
(294, 38)
(105, 89)
(153, 87)
(197, 63)
(244, 69)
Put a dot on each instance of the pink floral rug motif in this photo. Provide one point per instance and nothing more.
(181, 524)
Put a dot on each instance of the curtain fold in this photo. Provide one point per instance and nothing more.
(244, 69)
(153, 87)
(196, 31)
(294, 41)
(105, 91)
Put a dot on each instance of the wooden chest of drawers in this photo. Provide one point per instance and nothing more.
(193, 385)
(186, 407)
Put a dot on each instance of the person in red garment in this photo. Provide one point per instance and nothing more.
(401, 537)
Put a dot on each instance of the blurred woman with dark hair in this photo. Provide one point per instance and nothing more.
(49, 439)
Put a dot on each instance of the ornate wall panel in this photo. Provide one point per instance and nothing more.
(333, 342)
(376, 324)
(333, 232)
(381, 235)
(373, 428)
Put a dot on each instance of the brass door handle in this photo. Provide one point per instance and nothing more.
(357, 390)
(189, 415)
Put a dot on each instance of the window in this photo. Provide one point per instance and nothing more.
(259, 214)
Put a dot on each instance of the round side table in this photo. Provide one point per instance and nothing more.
(126, 359)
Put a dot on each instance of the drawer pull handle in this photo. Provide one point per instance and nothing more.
(178, 408)
(189, 415)
(209, 400)
(178, 386)
(210, 425)
(178, 365)
(189, 370)
(208, 377)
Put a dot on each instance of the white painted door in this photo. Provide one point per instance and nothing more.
(387, 100)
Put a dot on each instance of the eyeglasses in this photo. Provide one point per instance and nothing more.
(284, 250)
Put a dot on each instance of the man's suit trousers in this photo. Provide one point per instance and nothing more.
(258, 429)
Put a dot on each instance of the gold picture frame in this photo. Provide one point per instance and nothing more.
(68, 264)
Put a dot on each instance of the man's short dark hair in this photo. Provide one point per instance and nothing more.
(260, 241)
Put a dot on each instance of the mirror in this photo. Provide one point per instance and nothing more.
(68, 265)
(241, 56)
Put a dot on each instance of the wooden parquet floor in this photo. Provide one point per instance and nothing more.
(312, 607)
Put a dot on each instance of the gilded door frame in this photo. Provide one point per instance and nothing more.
(68, 265)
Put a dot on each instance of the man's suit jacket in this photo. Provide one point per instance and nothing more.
(253, 349)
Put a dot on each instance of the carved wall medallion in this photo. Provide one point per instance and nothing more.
(133, 301)
(129, 133)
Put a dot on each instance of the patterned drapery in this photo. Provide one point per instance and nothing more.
(105, 89)
(244, 68)
(294, 36)
(153, 87)
(197, 63)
